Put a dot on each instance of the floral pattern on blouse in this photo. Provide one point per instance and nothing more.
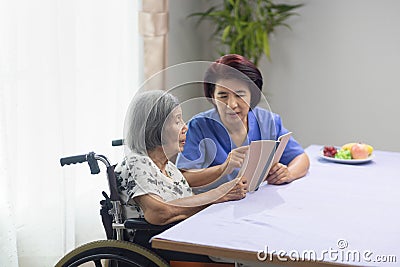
(138, 175)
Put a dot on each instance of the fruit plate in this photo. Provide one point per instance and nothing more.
(346, 161)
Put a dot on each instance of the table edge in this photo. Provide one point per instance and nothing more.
(234, 254)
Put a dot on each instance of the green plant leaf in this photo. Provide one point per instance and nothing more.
(266, 47)
(226, 32)
(283, 8)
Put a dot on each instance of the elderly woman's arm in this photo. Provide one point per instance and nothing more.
(159, 212)
(200, 177)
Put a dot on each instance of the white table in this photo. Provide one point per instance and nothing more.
(338, 214)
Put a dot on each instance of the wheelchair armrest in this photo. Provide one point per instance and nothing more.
(142, 224)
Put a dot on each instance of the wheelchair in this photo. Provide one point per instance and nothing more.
(127, 241)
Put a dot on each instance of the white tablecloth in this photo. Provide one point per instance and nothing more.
(349, 211)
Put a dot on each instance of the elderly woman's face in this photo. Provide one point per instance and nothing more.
(232, 99)
(174, 133)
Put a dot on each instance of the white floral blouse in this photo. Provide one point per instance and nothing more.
(138, 175)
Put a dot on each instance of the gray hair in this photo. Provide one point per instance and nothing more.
(145, 119)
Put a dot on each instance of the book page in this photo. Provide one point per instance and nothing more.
(262, 155)
(283, 140)
(258, 162)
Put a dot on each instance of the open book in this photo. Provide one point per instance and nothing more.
(260, 157)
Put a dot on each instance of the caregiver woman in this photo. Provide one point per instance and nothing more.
(217, 140)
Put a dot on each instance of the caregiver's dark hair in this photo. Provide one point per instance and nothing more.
(234, 66)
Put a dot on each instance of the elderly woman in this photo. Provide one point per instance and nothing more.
(218, 139)
(151, 185)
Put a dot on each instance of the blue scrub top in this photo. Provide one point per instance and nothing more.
(208, 142)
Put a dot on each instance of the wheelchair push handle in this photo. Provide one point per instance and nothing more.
(73, 160)
(91, 159)
(117, 142)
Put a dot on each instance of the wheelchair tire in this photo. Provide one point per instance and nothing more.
(108, 252)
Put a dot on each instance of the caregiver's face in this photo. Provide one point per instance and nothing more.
(232, 99)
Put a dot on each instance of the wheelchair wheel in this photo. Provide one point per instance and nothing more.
(107, 253)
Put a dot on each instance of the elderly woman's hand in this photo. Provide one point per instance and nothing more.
(235, 159)
(233, 190)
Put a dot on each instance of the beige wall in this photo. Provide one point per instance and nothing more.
(333, 78)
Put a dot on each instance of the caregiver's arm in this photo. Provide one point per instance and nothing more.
(297, 168)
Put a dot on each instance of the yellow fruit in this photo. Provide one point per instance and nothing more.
(370, 149)
(348, 146)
